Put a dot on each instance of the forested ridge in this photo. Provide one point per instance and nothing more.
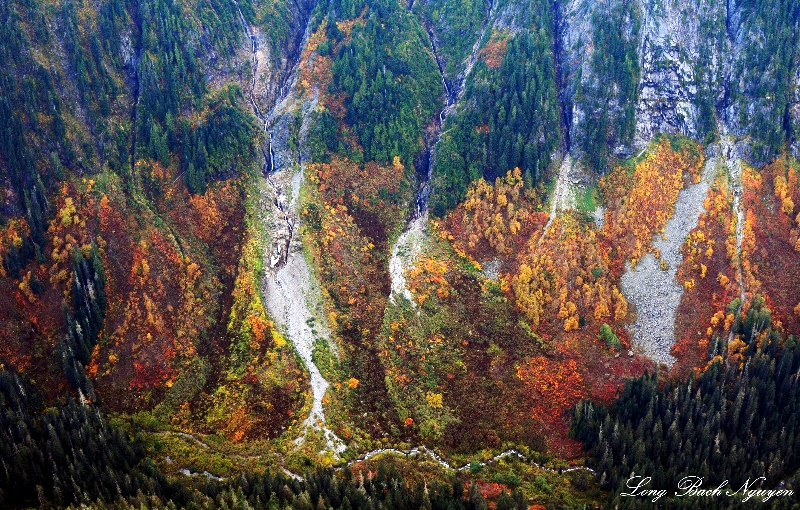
(389, 95)
(318, 254)
(735, 422)
(510, 117)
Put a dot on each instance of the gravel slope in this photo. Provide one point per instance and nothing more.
(654, 292)
(563, 194)
(404, 255)
(292, 294)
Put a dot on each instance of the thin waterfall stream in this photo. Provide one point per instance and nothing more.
(291, 292)
(408, 246)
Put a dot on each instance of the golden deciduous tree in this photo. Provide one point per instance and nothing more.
(641, 204)
(564, 277)
(495, 219)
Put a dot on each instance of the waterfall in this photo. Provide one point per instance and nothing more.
(271, 151)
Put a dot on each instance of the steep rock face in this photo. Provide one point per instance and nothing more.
(628, 69)
(600, 68)
(682, 56)
(512, 16)
(572, 45)
(763, 73)
(692, 63)
(574, 62)
(288, 132)
(273, 68)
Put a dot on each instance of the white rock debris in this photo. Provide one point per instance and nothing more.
(563, 193)
(291, 293)
(655, 292)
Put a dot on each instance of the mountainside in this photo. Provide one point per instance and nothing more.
(258, 236)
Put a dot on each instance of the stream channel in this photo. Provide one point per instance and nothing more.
(408, 246)
(291, 292)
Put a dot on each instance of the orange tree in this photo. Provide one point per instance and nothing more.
(640, 204)
(495, 220)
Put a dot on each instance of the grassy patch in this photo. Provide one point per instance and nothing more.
(587, 199)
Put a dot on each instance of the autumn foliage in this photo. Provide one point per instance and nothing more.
(563, 285)
(551, 385)
(495, 50)
(564, 281)
(770, 255)
(639, 205)
(176, 274)
(351, 212)
(709, 259)
(372, 193)
(350, 225)
(496, 220)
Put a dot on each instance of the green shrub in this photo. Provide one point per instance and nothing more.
(608, 336)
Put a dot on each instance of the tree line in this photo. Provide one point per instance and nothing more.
(390, 83)
(735, 421)
(509, 119)
(70, 455)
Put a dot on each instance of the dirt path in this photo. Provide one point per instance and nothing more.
(655, 292)
(422, 451)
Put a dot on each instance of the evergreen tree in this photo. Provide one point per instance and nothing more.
(731, 423)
